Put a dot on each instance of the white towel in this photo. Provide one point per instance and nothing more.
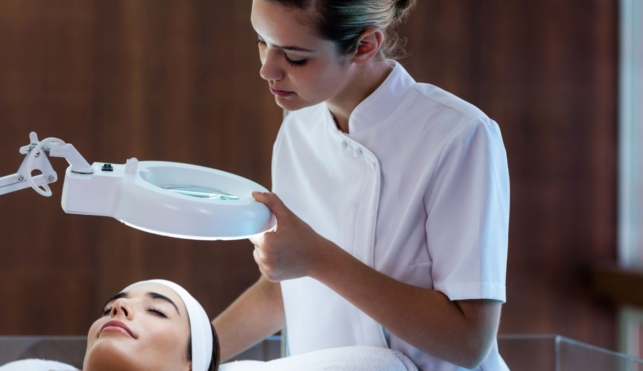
(37, 365)
(357, 358)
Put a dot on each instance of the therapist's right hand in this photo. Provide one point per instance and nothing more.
(293, 250)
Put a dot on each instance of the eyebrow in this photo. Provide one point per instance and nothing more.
(294, 48)
(291, 48)
(155, 295)
(151, 295)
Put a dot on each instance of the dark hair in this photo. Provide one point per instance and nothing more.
(344, 21)
(216, 350)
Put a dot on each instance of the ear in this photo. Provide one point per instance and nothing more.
(188, 366)
(369, 45)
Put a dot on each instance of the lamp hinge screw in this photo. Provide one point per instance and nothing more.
(21, 178)
(51, 178)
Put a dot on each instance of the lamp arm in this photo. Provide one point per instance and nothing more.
(78, 163)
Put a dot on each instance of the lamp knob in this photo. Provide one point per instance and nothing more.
(131, 166)
(33, 137)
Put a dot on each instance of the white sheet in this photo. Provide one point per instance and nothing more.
(37, 365)
(358, 358)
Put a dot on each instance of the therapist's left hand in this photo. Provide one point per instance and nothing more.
(293, 250)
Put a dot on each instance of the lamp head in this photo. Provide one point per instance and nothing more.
(166, 198)
(170, 199)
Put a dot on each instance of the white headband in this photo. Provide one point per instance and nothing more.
(202, 341)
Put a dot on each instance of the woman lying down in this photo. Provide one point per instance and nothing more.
(157, 325)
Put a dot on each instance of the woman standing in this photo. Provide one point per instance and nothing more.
(391, 197)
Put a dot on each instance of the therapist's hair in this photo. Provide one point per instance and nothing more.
(216, 350)
(344, 21)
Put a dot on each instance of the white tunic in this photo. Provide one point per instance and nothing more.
(418, 190)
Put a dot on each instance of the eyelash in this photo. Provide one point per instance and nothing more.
(154, 310)
(300, 63)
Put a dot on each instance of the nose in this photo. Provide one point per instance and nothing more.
(270, 69)
(121, 308)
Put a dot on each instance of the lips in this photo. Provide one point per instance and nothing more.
(280, 93)
(117, 326)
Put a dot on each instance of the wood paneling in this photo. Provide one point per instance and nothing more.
(178, 80)
(46, 80)
(157, 80)
(546, 71)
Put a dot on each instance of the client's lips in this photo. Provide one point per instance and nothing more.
(117, 326)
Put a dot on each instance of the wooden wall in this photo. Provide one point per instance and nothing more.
(546, 71)
(157, 80)
(178, 80)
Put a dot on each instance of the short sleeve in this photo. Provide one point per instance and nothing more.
(467, 204)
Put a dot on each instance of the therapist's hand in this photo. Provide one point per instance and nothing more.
(293, 250)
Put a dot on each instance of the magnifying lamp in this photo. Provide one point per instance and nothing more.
(165, 198)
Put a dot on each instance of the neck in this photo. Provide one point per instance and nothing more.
(362, 83)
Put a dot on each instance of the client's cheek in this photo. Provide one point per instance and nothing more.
(92, 334)
(167, 345)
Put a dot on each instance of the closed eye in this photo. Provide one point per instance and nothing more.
(294, 63)
(298, 63)
(157, 312)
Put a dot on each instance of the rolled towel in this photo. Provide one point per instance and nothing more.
(357, 358)
(37, 365)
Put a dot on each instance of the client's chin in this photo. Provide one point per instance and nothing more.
(112, 352)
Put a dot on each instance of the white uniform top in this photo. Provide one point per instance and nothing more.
(418, 190)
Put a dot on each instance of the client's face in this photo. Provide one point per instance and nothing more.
(144, 328)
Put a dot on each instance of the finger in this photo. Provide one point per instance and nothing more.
(257, 257)
(256, 240)
(266, 238)
(261, 254)
(273, 202)
(260, 265)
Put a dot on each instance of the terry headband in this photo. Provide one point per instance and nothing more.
(199, 325)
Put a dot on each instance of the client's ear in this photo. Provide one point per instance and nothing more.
(188, 367)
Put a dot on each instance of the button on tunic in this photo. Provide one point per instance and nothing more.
(418, 190)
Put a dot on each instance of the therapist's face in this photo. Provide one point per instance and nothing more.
(305, 69)
(145, 328)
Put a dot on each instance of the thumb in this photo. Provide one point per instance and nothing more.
(273, 202)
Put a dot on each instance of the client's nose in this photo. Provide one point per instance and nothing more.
(120, 307)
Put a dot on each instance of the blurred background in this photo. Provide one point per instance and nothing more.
(178, 80)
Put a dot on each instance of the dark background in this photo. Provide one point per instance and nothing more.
(178, 80)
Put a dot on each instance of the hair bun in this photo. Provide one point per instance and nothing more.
(404, 4)
(403, 8)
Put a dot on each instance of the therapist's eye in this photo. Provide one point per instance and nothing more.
(294, 63)
(299, 63)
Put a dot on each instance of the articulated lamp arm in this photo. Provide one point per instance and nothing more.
(36, 159)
